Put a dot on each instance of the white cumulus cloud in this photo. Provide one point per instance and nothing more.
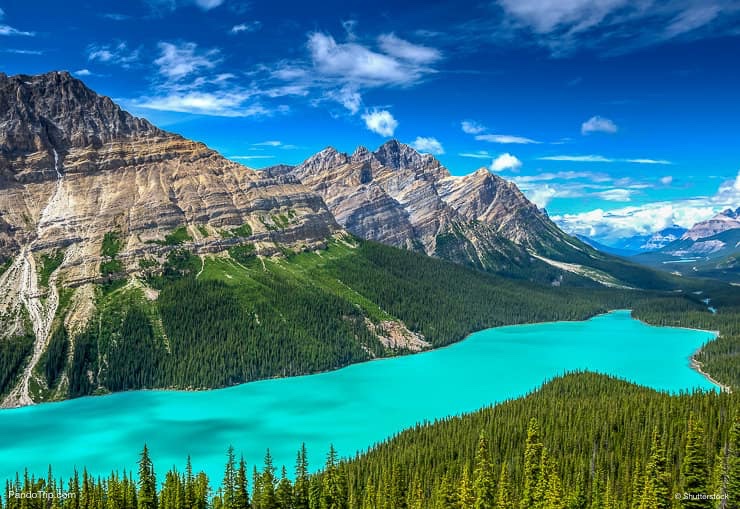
(506, 161)
(610, 225)
(428, 145)
(380, 122)
(598, 124)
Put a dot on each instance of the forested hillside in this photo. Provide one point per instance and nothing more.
(219, 320)
(226, 320)
(582, 441)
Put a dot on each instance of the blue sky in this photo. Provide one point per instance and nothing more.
(618, 116)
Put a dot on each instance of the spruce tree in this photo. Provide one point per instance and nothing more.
(656, 491)
(733, 467)
(228, 488)
(147, 496)
(483, 484)
(284, 491)
(694, 470)
(267, 484)
(445, 496)
(333, 490)
(241, 494)
(532, 464)
(504, 499)
(465, 495)
(301, 485)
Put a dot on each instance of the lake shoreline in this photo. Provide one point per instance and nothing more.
(695, 365)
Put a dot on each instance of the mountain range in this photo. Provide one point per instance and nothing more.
(115, 233)
(710, 248)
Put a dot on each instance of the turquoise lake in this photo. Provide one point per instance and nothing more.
(352, 408)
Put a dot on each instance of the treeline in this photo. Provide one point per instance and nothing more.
(583, 441)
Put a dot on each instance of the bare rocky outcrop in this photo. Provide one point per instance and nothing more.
(400, 197)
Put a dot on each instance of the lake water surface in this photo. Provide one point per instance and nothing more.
(352, 408)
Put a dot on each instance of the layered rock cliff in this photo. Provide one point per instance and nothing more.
(400, 197)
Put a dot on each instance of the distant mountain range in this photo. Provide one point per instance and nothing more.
(636, 244)
(710, 248)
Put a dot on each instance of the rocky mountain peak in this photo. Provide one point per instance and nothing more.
(398, 155)
(361, 155)
(55, 111)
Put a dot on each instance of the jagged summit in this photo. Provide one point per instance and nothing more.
(57, 111)
(401, 197)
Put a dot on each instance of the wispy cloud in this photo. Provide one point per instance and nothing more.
(249, 157)
(428, 145)
(252, 26)
(117, 53)
(18, 51)
(380, 122)
(10, 31)
(506, 161)
(177, 61)
(598, 124)
(472, 127)
(648, 161)
(505, 139)
(207, 5)
(341, 71)
(615, 26)
(115, 16)
(578, 159)
(594, 158)
(481, 154)
(220, 103)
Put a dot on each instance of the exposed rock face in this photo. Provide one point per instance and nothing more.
(400, 197)
(74, 166)
(726, 220)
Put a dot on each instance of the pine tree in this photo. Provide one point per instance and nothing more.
(656, 491)
(445, 496)
(284, 491)
(483, 484)
(267, 484)
(553, 498)
(577, 499)
(369, 495)
(228, 488)
(301, 485)
(694, 470)
(415, 498)
(532, 464)
(333, 491)
(241, 495)
(733, 466)
(147, 496)
(256, 489)
(465, 495)
(504, 499)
